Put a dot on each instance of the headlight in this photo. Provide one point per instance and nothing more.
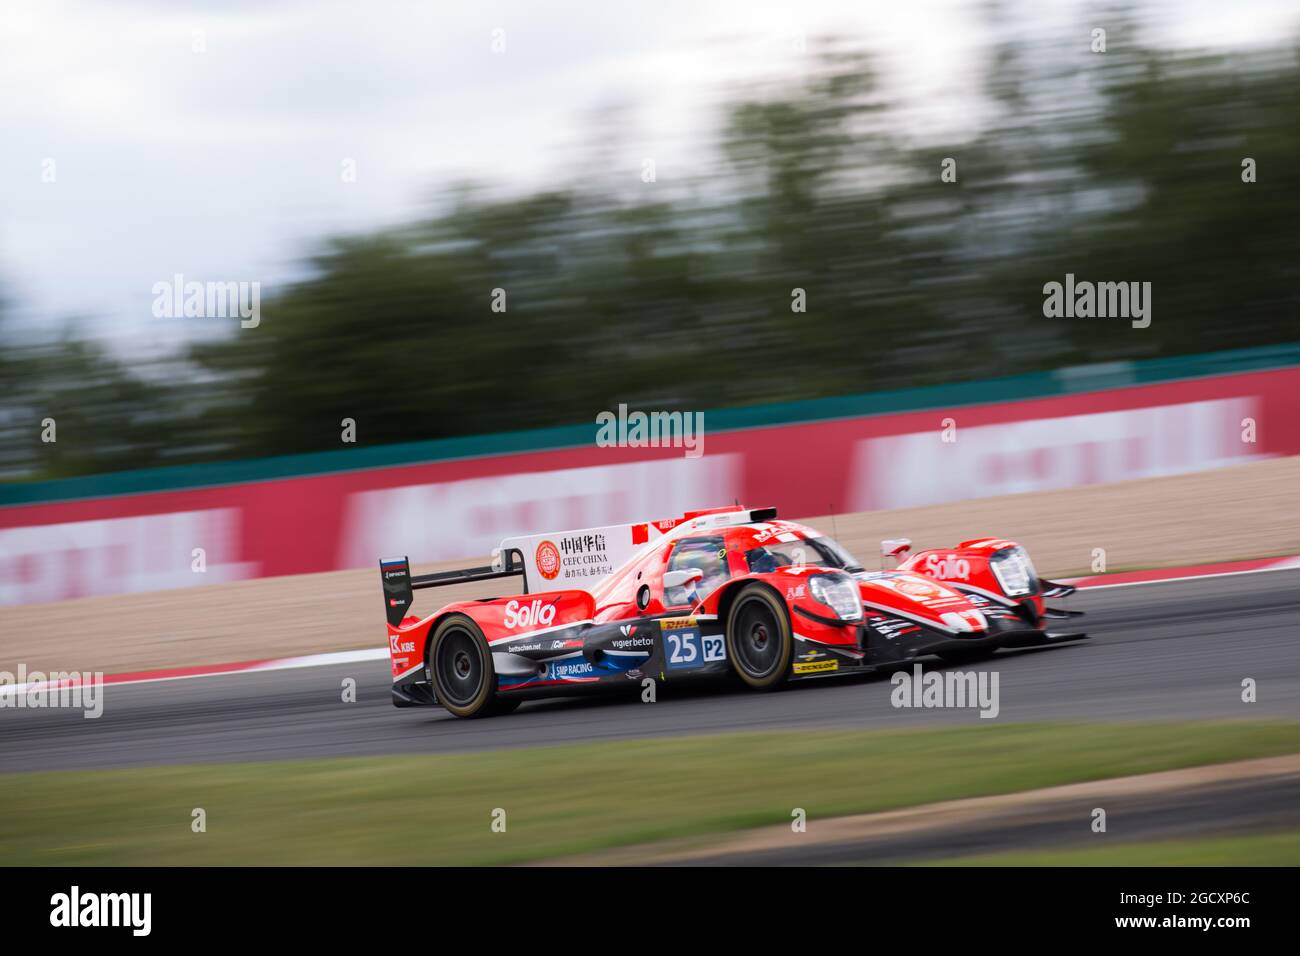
(1014, 572)
(840, 593)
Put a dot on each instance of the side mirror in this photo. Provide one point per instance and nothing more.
(895, 548)
(675, 579)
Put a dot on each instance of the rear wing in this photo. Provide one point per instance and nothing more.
(400, 585)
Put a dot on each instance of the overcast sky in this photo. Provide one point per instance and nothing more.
(208, 138)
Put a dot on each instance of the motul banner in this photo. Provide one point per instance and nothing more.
(464, 508)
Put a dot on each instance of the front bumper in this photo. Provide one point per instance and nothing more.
(926, 642)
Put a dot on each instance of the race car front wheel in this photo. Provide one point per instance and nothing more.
(759, 642)
(461, 666)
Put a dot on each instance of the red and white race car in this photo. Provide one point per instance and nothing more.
(719, 592)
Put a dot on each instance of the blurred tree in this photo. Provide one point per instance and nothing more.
(105, 418)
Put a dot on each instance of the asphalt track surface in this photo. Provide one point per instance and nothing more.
(1169, 650)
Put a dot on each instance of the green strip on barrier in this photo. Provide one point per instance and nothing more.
(1013, 388)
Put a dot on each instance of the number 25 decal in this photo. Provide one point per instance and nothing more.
(681, 648)
(690, 649)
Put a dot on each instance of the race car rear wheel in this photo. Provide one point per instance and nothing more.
(759, 640)
(461, 666)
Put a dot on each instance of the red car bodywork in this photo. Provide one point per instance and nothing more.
(631, 626)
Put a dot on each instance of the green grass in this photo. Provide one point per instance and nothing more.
(570, 799)
(1256, 849)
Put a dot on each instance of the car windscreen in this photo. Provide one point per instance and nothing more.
(822, 552)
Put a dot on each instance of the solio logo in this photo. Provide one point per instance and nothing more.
(548, 560)
(948, 566)
(528, 615)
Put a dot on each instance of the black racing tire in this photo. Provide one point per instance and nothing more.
(460, 664)
(760, 641)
